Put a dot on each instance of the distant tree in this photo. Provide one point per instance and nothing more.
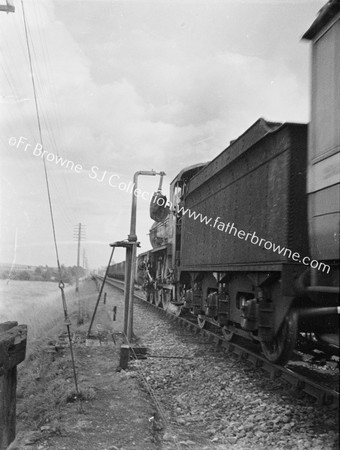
(46, 274)
(55, 273)
(23, 275)
(38, 270)
(37, 275)
(66, 274)
(4, 275)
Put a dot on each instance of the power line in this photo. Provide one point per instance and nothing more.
(15, 97)
(80, 235)
(61, 284)
(41, 138)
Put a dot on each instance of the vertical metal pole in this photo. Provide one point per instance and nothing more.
(131, 257)
(131, 292)
(127, 288)
(78, 258)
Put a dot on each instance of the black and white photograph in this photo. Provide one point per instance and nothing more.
(169, 224)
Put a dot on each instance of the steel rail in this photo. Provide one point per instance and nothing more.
(322, 394)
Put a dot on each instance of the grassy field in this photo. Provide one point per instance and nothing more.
(45, 378)
(34, 303)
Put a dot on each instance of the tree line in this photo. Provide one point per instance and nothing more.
(44, 273)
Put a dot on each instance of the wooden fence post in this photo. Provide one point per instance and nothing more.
(12, 352)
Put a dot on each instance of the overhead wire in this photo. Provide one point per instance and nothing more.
(49, 119)
(61, 284)
(54, 102)
(16, 103)
(16, 110)
(11, 98)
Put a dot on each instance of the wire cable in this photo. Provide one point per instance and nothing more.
(61, 284)
(41, 139)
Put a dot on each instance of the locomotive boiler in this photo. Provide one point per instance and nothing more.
(251, 239)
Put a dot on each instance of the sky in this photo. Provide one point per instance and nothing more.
(123, 86)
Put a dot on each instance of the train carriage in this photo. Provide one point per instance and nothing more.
(251, 239)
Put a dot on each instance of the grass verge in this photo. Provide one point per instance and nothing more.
(45, 378)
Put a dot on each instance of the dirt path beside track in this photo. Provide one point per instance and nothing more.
(206, 400)
(115, 412)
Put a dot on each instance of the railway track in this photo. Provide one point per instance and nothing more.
(322, 395)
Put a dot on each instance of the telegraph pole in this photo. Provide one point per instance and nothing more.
(85, 263)
(79, 234)
(78, 257)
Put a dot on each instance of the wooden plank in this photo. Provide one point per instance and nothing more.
(7, 8)
(8, 384)
(12, 351)
(124, 356)
(12, 347)
(7, 325)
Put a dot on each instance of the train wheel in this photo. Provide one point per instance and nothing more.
(280, 349)
(158, 297)
(145, 294)
(178, 310)
(166, 296)
(227, 334)
(175, 309)
(201, 321)
(151, 296)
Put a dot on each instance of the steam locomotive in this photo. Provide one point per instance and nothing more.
(249, 241)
